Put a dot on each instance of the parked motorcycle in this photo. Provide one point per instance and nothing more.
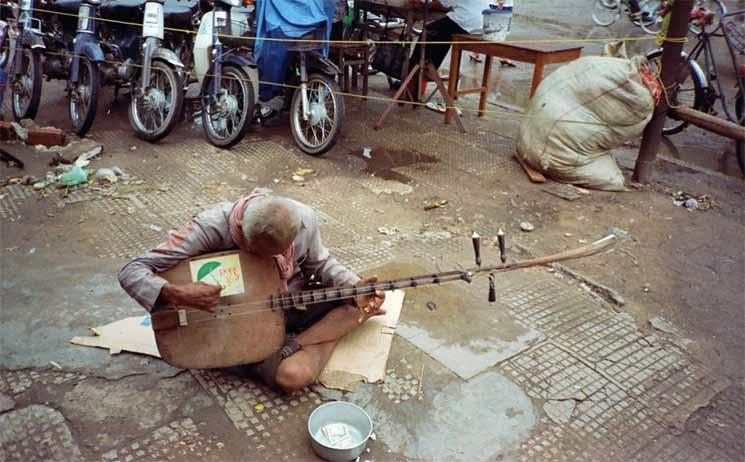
(316, 107)
(228, 79)
(113, 53)
(26, 72)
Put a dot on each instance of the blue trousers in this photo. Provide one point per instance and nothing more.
(272, 66)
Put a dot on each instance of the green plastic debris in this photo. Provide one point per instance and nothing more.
(76, 175)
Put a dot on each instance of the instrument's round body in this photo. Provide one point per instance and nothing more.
(244, 329)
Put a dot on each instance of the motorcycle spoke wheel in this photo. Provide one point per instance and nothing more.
(26, 87)
(319, 132)
(154, 109)
(226, 117)
(84, 97)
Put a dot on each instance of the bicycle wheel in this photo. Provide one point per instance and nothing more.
(706, 15)
(740, 145)
(606, 12)
(691, 89)
(651, 15)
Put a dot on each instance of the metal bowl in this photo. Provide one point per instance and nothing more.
(339, 430)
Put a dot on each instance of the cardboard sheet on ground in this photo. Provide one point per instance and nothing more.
(362, 354)
(133, 334)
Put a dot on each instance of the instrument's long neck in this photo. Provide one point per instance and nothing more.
(287, 300)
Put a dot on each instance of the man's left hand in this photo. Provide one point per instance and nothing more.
(369, 305)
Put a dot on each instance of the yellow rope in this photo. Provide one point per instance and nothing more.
(369, 42)
(499, 114)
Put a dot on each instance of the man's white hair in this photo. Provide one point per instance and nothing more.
(273, 218)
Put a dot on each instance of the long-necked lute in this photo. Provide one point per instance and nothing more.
(249, 323)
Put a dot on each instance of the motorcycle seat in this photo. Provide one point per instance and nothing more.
(66, 6)
(312, 44)
(123, 10)
(178, 13)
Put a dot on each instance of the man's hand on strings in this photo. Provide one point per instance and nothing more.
(199, 295)
(369, 305)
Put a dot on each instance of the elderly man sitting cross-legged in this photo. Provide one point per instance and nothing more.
(265, 226)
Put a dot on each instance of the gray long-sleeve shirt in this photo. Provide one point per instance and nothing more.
(209, 232)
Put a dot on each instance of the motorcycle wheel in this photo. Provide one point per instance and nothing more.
(227, 118)
(319, 133)
(26, 88)
(154, 111)
(84, 97)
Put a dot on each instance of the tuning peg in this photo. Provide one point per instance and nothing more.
(477, 247)
(500, 240)
(492, 289)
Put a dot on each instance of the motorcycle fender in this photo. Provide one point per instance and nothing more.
(168, 56)
(239, 60)
(33, 41)
(319, 63)
(91, 50)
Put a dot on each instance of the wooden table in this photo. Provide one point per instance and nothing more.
(539, 54)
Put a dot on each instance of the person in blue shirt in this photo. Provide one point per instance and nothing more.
(285, 19)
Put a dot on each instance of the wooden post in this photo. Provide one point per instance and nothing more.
(671, 62)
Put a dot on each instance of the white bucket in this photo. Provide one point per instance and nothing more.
(497, 23)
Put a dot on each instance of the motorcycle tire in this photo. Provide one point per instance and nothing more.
(82, 113)
(318, 81)
(236, 83)
(32, 68)
(168, 123)
(692, 78)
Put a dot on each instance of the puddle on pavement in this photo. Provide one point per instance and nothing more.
(382, 162)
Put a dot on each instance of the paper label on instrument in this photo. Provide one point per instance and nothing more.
(224, 271)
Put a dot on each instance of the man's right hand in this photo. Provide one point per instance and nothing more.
(199, 295)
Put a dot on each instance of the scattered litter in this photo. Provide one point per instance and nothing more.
(220, 445)
(106, 175)
(155, 228)
(419, 393)
(74, 177)
(259, 407)
(373, 437)
(619, 233)
(58, 159)
(367, 153)
(276, 180)
(133, 148)
(298, 179)
(431, 306)
(32, 251)
(568, 234)
(56, 365)
(436, 204)
(120, 173)
(527, 226)
(646, 288)
(387, 231)
(21, 133)
(305, 171)
(84, 159)
(691, 202)
(28, 180)
(563, 191)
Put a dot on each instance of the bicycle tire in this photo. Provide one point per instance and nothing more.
(606, 6)
(653, 24)
(718, 7)
(698, 81)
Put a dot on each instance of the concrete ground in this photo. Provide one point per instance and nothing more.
(633, 355)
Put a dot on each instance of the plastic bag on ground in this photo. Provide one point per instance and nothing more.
(579, 113)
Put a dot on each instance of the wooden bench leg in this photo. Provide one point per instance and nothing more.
(365, 70)
(485, 85)
(537, 76)
(455, 56)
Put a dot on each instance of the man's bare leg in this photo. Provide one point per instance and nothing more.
(318, 341)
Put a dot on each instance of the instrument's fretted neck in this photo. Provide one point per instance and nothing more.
(287, 300)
